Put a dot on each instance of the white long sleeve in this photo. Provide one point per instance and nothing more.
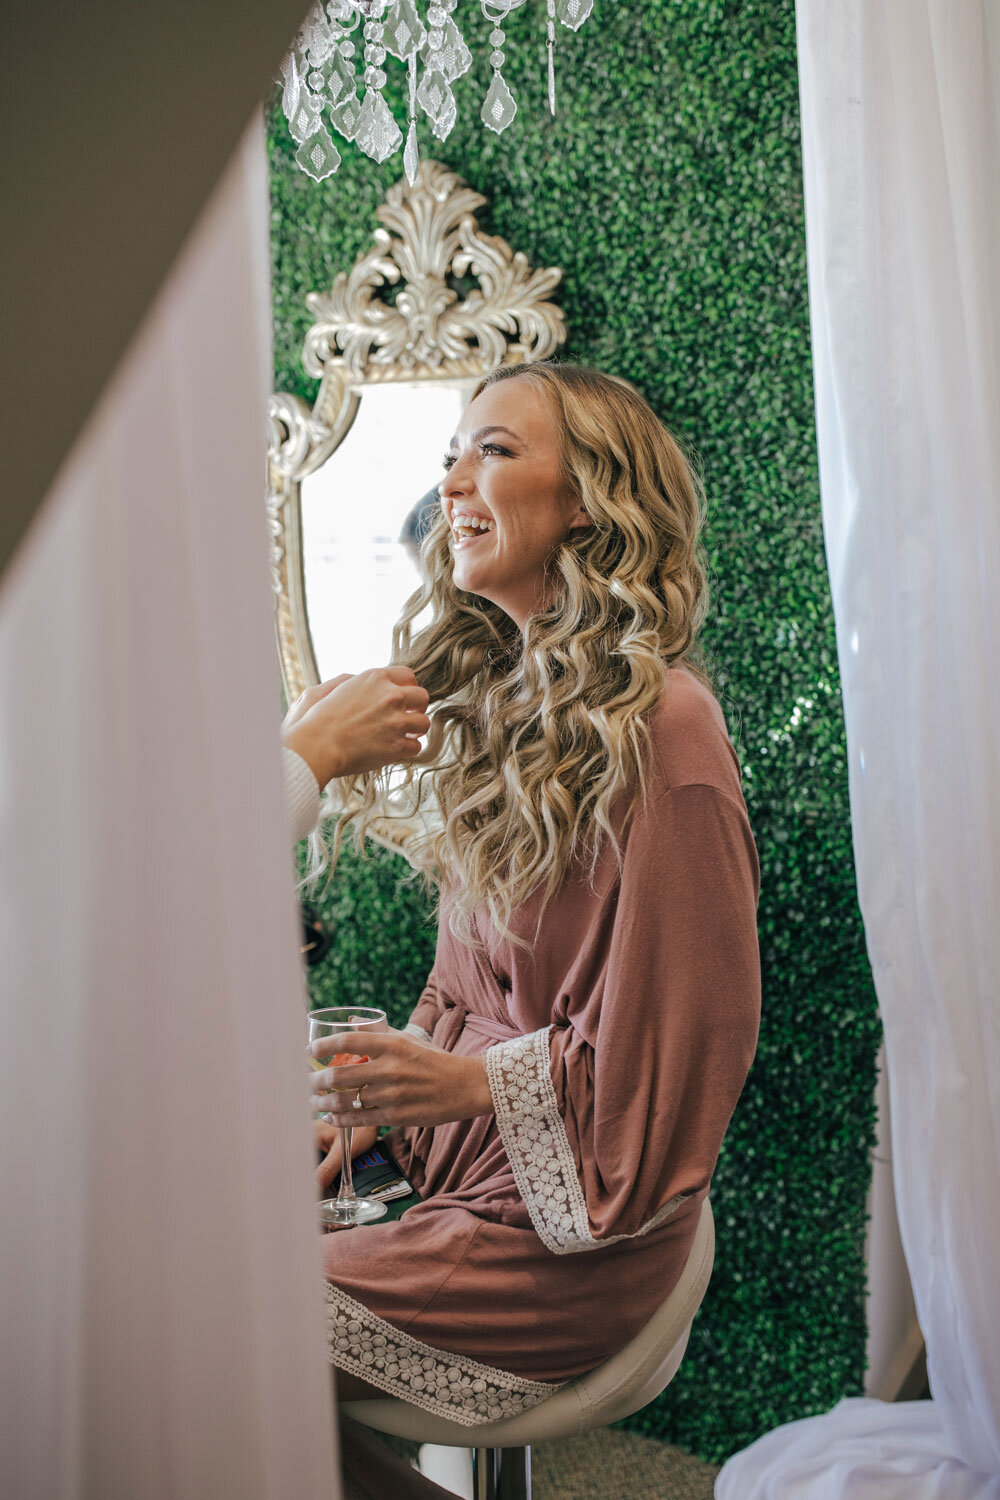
(301, 794)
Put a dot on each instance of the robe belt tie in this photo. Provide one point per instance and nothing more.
(457, 1017)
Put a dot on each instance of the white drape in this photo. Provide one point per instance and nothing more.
(895, 1342)
(161, 1306)
(902, 178)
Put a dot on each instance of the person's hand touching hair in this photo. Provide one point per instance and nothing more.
(354, 724)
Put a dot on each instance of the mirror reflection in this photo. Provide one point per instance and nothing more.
(363, 513)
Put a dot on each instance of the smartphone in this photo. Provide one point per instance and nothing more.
(377, 1174)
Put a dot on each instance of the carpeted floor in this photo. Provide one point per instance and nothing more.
(613, 1465)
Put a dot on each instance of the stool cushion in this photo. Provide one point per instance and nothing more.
(621, 1385)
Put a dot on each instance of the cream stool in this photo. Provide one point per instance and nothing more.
(624, 1383)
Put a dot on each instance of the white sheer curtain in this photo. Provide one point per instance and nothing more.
(161, 1316)
(902, 177)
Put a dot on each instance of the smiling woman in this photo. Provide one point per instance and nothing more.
(574, 1060)
(550, 637)
(507, 497)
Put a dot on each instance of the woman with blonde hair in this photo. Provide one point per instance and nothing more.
(561, 1092)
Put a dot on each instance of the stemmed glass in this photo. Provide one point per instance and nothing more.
(347, 1208)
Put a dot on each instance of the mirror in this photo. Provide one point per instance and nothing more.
(363, 513)
(399, 343)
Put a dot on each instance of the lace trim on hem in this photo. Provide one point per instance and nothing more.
(448, 1385)
(538, 1148)
(412, 1029)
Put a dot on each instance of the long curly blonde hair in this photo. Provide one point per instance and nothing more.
(534, 738)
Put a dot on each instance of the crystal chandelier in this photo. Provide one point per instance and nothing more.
(321, 79)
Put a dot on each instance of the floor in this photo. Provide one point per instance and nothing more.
(603, 1465)
(613, 1465)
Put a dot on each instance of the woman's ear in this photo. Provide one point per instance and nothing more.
(579, 521)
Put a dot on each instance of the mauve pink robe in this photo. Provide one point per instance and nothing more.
(616, 1050)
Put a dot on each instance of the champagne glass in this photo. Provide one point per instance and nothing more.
(347, 1208)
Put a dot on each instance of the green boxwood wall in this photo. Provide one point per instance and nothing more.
(669, 189)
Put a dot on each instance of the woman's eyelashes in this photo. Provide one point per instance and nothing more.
(450, 459)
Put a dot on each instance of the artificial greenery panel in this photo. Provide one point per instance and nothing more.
(668, 187)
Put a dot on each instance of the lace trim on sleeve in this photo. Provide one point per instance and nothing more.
(538, 1147)
(412, 1029)
(449, 1385)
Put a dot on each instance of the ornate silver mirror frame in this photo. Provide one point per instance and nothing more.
(399, 315)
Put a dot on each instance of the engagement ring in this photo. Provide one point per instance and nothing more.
(356, 1102)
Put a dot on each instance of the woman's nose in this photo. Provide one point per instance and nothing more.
(455, 482)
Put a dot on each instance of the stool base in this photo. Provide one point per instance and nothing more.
(501, 1473)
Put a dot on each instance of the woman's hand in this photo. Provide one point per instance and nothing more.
(328, 1140)
(354, 724)
(404, 1083)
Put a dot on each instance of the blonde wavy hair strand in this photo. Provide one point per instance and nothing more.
(533, 740)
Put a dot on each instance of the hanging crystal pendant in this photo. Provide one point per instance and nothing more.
(291, 85)
(499, 106)
(345, 116)
(453, 56)
(403, 33)
(319, 71)
(442, 126)
(438, 102)
(305, 120)
(318, 155)
(411, 155)
(340, 80)
(345, 106)
(377, 133)
(318, 37)
(319, 74)
(434, 94)
(573, 13)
